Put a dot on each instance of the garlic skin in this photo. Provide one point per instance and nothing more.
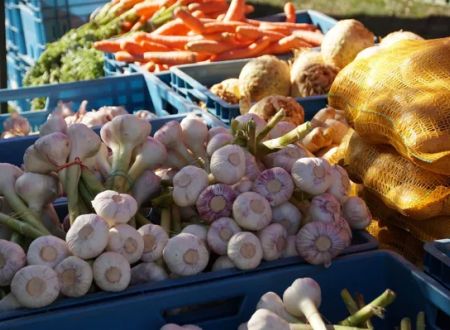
(47, 250)
(185, 254)
(244, 119)
(223, 262)
(111, 272)
(275, 184)
(88, 236)
(173, 326)
(243, 185)
(213, 131)
(196, 230)
(188, 183)
(291, 248)
(312, 175)
(53, 149)
(272, 302)
(252, 211)
(228, 164)
(35, 286)
(356, 212)
(288, 216)
(12, 259)
(264, 319)
(215, 201)
(75, 276)
(171, 135)
(245, 250)
(195, 134)
(325, 208)
(281, 129)
(319, 242)
(273, 241)
(145, 187)
(125, 240)
(114, 207)
(346, 231)
(155, 239)
(8, 303)
(252, 170)
(219, 234)
(340, 186)
(218, 141)
(147, 272)
(286, 157)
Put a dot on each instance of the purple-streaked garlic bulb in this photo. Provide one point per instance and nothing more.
(252, 211)
(244, 249)
(273, 241)
(244, 185)
(155, 239)
(345, 229)
(228, 164)
(171, 135)
(312, 175)
(356, 212)
(281, 129)
(218, 141)
(340, 186)
(252, 169)
(286, 157)
(217, 130)
(244, 119)
(215, 201)
(219, 233)
(188, 183)
(325, 208)
(319, 242)
(288, 216)
(275, 184)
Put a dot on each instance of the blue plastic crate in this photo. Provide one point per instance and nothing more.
(134, 92)
(17, 67)
(437, 260)
(226, 302)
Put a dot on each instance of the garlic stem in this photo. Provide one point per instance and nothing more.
(365, 313)
(349, 302)
(176, 219)
(21, 227)
(140, 220)
(270, 125)
(91, 181)
(165, 220)
(327, 327)
(293, 136)
(405, 324)
(360, 304)
(420, 321)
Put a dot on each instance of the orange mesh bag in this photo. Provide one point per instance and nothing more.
(398, 182)
(401, 96)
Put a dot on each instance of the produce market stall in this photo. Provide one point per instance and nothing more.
(178, 164)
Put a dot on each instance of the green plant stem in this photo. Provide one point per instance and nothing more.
(251, 143)
(165, 220)
(271, 124)
(163, 200)
(298, 326)
(405, 324)
(92, 183)
(71, 188)
(120, 166)
(24, 212)
(293, 136)
(349, 302)
(361, 303)
(20, 227)
(85, 193)
(365, 313)
(420, 321)
(16, 238)
(141, 220)
(176, 219)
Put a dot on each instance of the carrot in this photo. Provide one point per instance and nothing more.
(146, 9)
(293, 26)
(132, 47)
(175, 57)
(236, 11)
(220, 17)
(210, 28)
(108, 46)
(209, 46)
(248, 32)
(286, 44)
(126, 26)
(123, 56)
(149, 66)
(289, 11)
(192, 22)
(209, 7)
(273, 34)
(198, 14)
(314, 38)
(175, 27)
(151, 46)
(249, 9)
(254, 49)
(177, 42)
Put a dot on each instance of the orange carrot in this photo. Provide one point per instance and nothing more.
(150, 46)
(210, 28)
(132, 47)
(198, 14)
(289, 11)
(286, 45)
(293, 26)
(192, 22)
(108, 46)
(209, 7)
(146, 9)
(174, 27)
(254, 49)
(248, 32)
(314, 38)
(149, 66)
(210, 46)
(123, 56)
(177, 42)
(273, 34)
(249, 9)
(236, 11)
(220, 17)
(175, 57)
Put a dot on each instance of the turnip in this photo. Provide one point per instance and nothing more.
(126, 241)
(114, 207)
(215, 201)
(288, 216)
(223, 262)
(188, 183)
(311, 75)
(47, 250)
(185, 254)
(273, 241)
(155, 239)
(12, 258)
(356, 212)
(111, 272)
(252, 211)
(219, 233)
(35, 286)
(228, 164)
(147, 272)
(75, 276)
(275, 184)
(227, 90)
(264, 76)
(312, 175)
(245, 250)
(267, 107)
(344, 41)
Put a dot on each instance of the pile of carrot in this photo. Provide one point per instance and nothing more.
(207, 30)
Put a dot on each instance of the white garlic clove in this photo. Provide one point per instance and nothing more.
(245, 250)
(114, 207)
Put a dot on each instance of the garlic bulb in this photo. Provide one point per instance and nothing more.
(215, 202)
(263, 319)
(340, 186)
(325, 208)
(188, 183)
(228, 164)
(111, 272)
(125, 240)
(288, 216)
(272, 302)
(47, 250)
(286, 157)
(223, 262)
(197, 230)
(12, 258)
(275, 184)
(75, 276)
(147, 272)
(218, 141)
(245, 250)
(356, 213)
(312, 175)
(114, 207)
(291, 248)
(252, 211)
(155, 239)
(273, 241)
(219, 234)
